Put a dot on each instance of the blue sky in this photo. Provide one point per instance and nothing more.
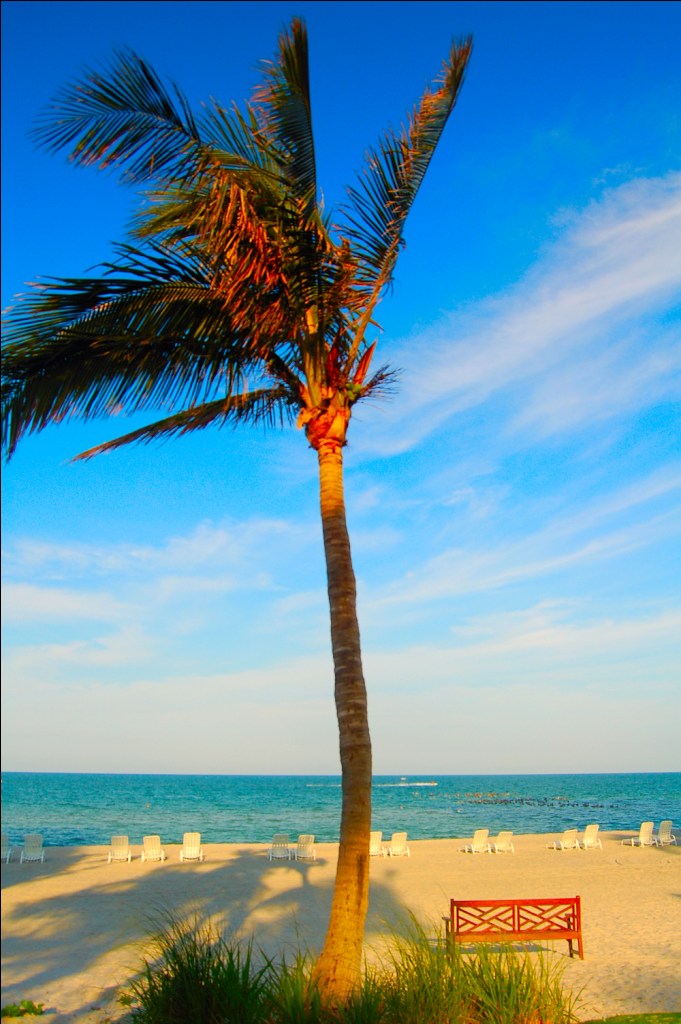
(514, 509)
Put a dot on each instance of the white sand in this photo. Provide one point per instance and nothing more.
(75, 928)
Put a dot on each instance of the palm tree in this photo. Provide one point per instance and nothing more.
(235, 299)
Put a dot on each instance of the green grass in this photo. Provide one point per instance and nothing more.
(23, 1009)
(639, 1018)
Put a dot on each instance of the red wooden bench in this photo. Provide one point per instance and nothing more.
(516, 921)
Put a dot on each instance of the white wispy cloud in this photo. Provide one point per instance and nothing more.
(214, 548)
(542, 641)
(661, 484)
(25, 602)
(583, 336)
(74, 658)
(607, 528)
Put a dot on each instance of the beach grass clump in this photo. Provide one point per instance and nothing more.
(196, 975)
(506, 987)
(294, 997)
(432, 980)
(421, 981)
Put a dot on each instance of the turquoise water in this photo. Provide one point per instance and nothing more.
(84, 810)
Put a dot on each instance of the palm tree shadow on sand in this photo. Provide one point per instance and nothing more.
(88, 944)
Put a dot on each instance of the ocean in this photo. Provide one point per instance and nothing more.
(86, 810)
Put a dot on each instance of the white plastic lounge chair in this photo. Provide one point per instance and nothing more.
(645, 836)
(568, 841)
(305, 848)
(152, 849)
(664, 834)
(6, 849)
(33, 849)
(503, 844)
(119, 849)
(397, 847)
(376, 847)
(191, 846)
(591, 838)
(479, 843)
(280, 849)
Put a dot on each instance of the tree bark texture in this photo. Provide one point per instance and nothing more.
(338, 969)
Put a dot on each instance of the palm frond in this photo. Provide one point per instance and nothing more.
(238, 134)
(253, 206)
(284, 111)
(374, 218)
(156, 337)
(123, 117)
(266, 405)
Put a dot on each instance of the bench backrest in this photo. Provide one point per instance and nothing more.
(516, 918)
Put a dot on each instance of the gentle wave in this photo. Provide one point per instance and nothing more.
(405, 785)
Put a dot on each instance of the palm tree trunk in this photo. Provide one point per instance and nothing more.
(338, 969)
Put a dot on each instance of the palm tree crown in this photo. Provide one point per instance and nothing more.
(236, 298)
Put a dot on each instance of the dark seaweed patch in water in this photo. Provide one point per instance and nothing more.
(505, 799)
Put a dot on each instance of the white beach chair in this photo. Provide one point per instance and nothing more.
(376, 847)
(305, 848)
(280, 848)
(645, 836)
(568, 841)
(591, 838)
(33, 849)
(120, 849)
(503, 843)
(191, 847)
(664, 835)
(152, 849)
(397, 847)
(6, 849)
(479, 843)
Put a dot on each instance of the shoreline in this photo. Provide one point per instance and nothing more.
(75, 928)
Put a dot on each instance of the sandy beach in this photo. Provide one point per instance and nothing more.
(75, 928)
